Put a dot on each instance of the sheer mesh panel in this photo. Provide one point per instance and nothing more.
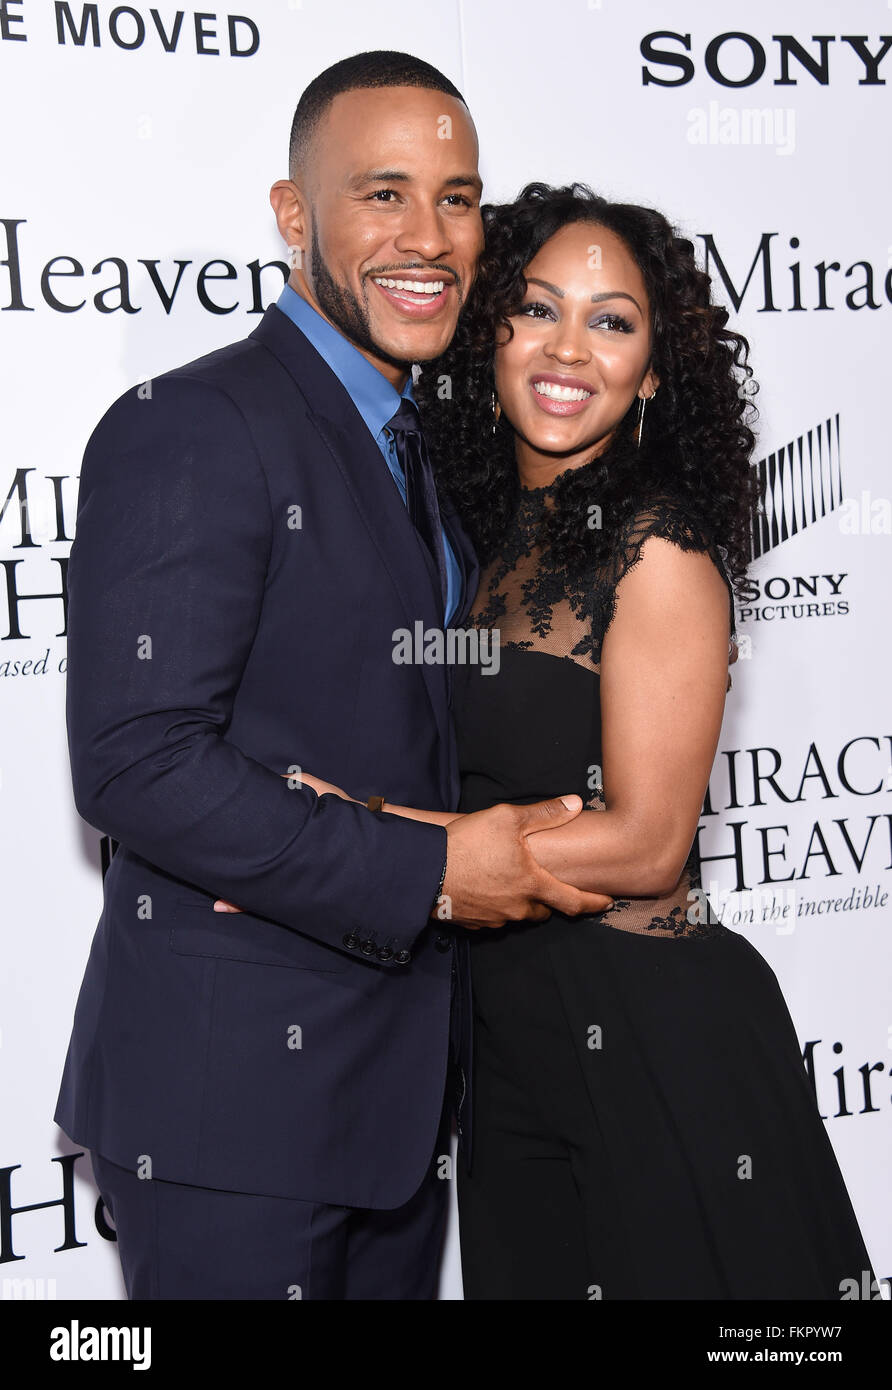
(536, 607)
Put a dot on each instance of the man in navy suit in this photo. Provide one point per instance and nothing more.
(263, 1093)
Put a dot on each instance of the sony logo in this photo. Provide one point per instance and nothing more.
(736, 59)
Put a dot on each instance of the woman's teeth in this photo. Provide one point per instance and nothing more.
(421, 290)
(560, 393)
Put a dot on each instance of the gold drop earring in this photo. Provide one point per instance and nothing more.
(643, 401)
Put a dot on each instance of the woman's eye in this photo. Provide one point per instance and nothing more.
(535, 310)
(615, 322)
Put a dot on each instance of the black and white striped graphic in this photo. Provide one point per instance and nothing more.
(800, 484)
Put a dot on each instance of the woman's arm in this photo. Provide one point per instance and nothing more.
(322, 788)
(664, 673)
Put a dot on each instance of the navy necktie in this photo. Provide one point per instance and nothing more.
(421, 490)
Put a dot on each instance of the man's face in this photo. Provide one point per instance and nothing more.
(392, 196)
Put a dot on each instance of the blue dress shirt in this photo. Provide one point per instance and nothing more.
(374, 397)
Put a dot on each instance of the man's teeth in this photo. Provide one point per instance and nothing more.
(560, 393)
(430, 287)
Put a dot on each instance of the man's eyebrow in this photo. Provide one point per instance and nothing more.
(596, 298)
(465, 181)
(377, 176)
(400, 176)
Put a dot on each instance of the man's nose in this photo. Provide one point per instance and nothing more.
(424, 230)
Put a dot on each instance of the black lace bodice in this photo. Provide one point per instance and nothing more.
(533, 729)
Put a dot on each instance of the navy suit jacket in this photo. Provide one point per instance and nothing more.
(241, 562)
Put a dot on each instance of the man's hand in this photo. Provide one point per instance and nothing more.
(492, 875)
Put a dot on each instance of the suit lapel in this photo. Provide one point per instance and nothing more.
(466, 557)
(467, 563)
(367, 478)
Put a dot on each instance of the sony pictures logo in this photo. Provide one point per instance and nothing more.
(801, 485)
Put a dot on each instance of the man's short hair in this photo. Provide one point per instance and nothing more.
(380, 68)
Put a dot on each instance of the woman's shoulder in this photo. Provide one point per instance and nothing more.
(669, 517)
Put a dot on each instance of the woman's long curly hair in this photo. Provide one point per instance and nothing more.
(697, 443)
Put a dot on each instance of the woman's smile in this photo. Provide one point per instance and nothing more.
(560, 395)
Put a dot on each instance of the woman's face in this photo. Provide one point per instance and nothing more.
(580, 351)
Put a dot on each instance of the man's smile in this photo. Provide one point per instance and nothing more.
(419, 296)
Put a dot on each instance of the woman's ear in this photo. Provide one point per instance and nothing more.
(649, 384)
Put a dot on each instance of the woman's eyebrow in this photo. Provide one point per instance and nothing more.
(596, 298)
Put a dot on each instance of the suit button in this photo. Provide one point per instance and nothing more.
(402, 957)
(367, 947)
(443, 942)
(385, 953)
(351, 941)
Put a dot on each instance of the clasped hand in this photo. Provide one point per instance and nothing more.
(492, 875)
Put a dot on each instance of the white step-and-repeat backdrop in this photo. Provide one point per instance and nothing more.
(138, 146)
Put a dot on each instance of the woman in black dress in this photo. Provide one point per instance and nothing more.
(643, 1127)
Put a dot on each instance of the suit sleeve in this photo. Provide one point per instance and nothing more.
(166, 582)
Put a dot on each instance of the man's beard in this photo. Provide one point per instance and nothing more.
(344, 310)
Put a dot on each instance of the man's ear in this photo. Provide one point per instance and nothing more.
(289, 204)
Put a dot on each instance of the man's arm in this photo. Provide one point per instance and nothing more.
(166, 582)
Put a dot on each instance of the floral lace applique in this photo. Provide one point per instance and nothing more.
(536, 606)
